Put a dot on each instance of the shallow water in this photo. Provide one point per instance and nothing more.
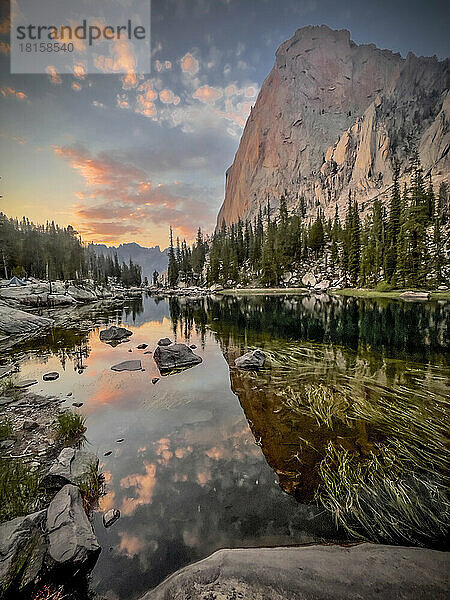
(191, 476)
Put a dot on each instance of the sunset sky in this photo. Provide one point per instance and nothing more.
(122, 158)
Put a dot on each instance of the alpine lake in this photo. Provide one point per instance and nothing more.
(341, 436)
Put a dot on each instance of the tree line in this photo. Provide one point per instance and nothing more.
(53, 253)
(400, 244)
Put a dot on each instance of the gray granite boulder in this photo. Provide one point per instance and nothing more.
(18, 322)
(128, 365)
(71, 466)
(164, 342)
(114, 334)
(254, 359)
(110, 517)
(364, 571)
(50, 376)
(71, 539)
(22, 551)
(175, 356)
(80, 294)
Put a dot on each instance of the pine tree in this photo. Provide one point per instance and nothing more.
(173, 269)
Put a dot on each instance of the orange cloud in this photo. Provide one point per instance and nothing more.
(79, 71)
(207, 94)
(166, 96)
(53, 75)
(122, 61)
(76, 86)
(9, 92)
(5, 48)
(144, 485)
(145, 98)
(189, 64)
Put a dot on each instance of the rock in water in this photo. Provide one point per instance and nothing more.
(71, 466)
(164, 342)
(22, 550)
(175, 356)
(114, 334)
(71, 538)
(128, 365)
(110, 517)
(142, 346)
(410, 295)
(254, 359)
(50, 376)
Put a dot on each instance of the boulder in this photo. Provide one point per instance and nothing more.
(368, 571)
(128, 365)
(60, 300)
(410, 295)
(175, 356)
(19, 322)
(323, 285)
(254, 359)
(110, 517)
(142, 346)
(50, 376)
(71, 466)
(442, 288)
(309, 280)
(114, 334)
(22, 550)
(71, 538)
(216, 288)
(80, 294)
(164, 342)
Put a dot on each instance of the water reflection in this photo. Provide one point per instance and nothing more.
(200, 470)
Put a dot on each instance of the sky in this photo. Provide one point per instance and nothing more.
(121, 158)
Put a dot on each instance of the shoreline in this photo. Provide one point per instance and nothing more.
(349, 292)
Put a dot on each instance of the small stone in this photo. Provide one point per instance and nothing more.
(148, 352)
(77, 404)
(128, 365)
(130, 350)
(108, 453)
(192, 346)
(142, 346)
(155, 380)
(20, 385)
(254, 359)
(164, 342)
(6, 444)
(69, 394)
(110, 517)
(29, 425)
(50, 376)
(120, 440)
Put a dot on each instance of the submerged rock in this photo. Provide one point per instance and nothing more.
(71, 538)
(71, 466)
(128, 365)
(164, 342)
(24, 383)
(311, 573)
(254, 359)
(142, 346)
(175, 356)
(50, 376)
(110, 517)
(22, 550)
(114, 334)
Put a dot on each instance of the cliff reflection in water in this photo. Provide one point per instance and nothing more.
(352, 407)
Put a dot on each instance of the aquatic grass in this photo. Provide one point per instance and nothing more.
(92, 487)
(6, 384)
(19, 486)
(393, 487)
(69, 427)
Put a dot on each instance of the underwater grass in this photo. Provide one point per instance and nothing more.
(18, 489)
(69, 427)
(396, 490)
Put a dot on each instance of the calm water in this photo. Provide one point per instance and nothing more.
(204, 458)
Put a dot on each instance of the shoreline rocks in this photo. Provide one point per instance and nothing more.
(369, 571)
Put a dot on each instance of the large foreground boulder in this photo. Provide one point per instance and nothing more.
(71, 466)
(22, 551)
(365, 571)
(18, 322)
(254, 359)
(71, 539)
(115, 334)
(175, 356)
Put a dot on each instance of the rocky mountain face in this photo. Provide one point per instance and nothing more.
(333, 116)
(150, 259)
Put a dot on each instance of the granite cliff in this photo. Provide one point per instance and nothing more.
(334, 116)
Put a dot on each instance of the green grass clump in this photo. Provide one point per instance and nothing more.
(6, 429)
(18, 489)
(92, 487)
(69, 427)
(384, 286)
